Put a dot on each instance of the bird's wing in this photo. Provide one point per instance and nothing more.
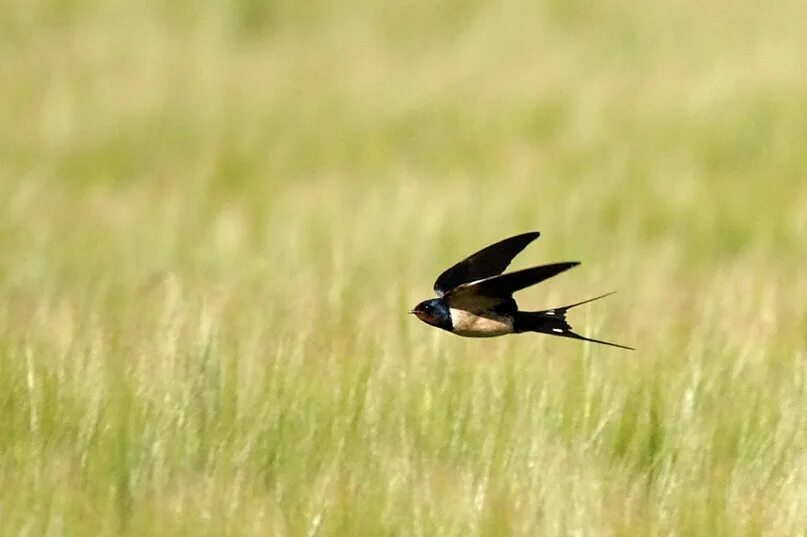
(485, 263)
(492, 291)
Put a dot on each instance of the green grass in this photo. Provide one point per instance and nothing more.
(214, 216)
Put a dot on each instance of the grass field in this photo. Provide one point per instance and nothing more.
(214, 216)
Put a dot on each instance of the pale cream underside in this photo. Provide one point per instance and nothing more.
(472, 325)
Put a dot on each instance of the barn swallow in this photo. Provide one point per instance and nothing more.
(474, 298)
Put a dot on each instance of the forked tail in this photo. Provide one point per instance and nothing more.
(553, 322)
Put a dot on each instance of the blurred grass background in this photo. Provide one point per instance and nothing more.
(214, 215)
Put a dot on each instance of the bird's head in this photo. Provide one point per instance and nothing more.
(433, 312)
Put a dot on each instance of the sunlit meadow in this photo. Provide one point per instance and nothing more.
(214, 216)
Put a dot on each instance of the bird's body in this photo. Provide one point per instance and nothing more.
(475, 298)
(480, 323)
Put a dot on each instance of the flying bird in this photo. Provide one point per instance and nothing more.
(474, 298)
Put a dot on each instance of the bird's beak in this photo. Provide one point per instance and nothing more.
(412, 311)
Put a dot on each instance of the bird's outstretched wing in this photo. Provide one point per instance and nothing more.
(500, 288)
(485, 263)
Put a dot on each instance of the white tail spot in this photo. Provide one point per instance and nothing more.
(558, 330)
(550, 312)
